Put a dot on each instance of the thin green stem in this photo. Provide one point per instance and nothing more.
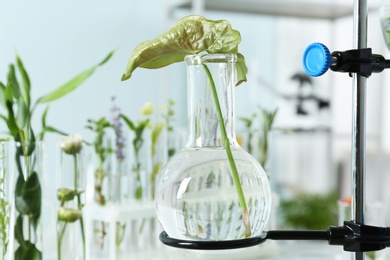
(79, 204)
(82, 230)
(59, 242)
(120, 234)
(76, 174)
(229, 154)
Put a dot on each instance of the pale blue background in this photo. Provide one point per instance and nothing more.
(58, 39)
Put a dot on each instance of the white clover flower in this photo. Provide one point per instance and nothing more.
(71, 144)
(147, 109)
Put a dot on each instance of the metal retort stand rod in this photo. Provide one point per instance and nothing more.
(359, 120)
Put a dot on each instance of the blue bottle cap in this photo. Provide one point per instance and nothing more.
(316, 59)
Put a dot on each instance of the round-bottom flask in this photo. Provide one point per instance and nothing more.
(197, 196)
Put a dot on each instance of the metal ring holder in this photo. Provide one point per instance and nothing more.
(354, 235)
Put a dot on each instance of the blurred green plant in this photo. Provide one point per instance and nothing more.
(15, 96)
(120, 154)
(138, 129)
(4, 203)
(249, 128)
(150, 120)
(266, 118)
(370, 255)
(102, 150)
(310, 211)
(168, 115)
(103, 147)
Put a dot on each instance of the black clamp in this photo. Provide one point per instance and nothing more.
(360, 61)
(357, 237)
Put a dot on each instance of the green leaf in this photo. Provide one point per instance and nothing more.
(28, 195)
(25, 91)
(138, 193)
(247, 121)
(155, 170)
(13, 82)
(190, 35)
(8, 96)
(2, 94)
(154, 136)
(43, 120)
(128, 122)
(171, 152)
(11, 122)
(106, 58)
(370, 255)
(22, 114)
(30, 252)
(241, 69)
(54, 130)
(19, 232)
(20, 206)
(73, 83)
(4, 118)
(46, 128)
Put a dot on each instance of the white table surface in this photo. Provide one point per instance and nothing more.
(271, 250)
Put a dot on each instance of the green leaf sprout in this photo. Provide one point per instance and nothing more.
(190, 35)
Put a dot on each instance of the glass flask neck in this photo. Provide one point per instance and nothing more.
(204, 71)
